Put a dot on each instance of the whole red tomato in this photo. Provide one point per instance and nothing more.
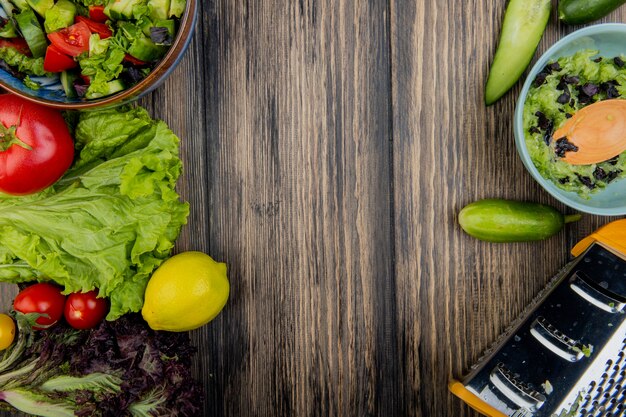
(41, 298)
(85, 310)
(36, 147)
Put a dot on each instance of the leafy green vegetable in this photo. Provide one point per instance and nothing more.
(120, 368)
(110, 221)
(22, 62)
(103, 64)
(33, 85)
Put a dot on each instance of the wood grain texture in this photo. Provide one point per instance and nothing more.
(328, 147)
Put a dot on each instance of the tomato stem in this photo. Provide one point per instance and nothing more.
(8, 137)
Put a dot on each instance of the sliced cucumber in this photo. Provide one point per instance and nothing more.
(33, 33)
(578, 12)
(67, 81)
(113, 87)
(523, 26)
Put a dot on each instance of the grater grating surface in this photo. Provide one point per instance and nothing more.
(607, 397)
(566, 356)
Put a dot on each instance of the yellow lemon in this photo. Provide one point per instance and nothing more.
(185, 292)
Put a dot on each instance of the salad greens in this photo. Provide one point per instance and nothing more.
(120, 368)
(109, 221)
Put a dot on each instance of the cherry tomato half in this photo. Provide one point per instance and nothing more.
(37, 147)
(7, 331)
(42, 298)
(85, 310)
(95, 27)
(96, 13)
(57, 61)
(72, 40)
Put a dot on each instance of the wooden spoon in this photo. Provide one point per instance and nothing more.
(598, 130)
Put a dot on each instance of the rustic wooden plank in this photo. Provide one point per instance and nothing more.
(455, 294)
(298, 132)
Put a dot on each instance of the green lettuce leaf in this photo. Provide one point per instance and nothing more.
(110, 221)
(22, 62)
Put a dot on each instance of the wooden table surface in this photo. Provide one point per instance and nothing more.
(328, 147)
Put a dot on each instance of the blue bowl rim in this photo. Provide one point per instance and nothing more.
(518, 125)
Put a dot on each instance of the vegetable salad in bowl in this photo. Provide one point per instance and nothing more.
(85, 50)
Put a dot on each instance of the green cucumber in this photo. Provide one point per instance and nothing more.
(522, 29)
(112, 88)
(495, 220)
(67, 81)
(578, 12)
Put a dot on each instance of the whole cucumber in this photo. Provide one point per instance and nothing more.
(512, 221)
(523, 26)
(578, 12)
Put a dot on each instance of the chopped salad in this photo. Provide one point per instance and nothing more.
(95, 47)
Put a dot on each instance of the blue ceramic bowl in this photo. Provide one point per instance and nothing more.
(610, 40)
(51, 92)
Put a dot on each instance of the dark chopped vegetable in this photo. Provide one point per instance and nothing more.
(612, 175)
(562, 146)
(586, 181)
(609, 88)
(590, 89)
(570, 79)
(565, 97)
(121, 368)
(614, 160)
(598, 59)
(599, 173)
(618, 61)
(534, 129)
(540, 78)
(160, 36)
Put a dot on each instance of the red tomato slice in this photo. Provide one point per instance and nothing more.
(96, 13)
(95, 27)
(57, 61)
(37, 148)
(17, 43)
(133, 60)
(73, 40)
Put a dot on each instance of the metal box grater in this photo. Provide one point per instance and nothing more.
(566, 354)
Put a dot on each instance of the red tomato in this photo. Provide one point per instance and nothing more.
(17, 43)
(85, 310)
(36, 149)
(133, 60)
(73, 40)
(96, 13)
(57, 61)
(95, 27)
(41, 298)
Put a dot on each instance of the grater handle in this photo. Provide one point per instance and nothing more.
(473, 401)
(613, 235)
